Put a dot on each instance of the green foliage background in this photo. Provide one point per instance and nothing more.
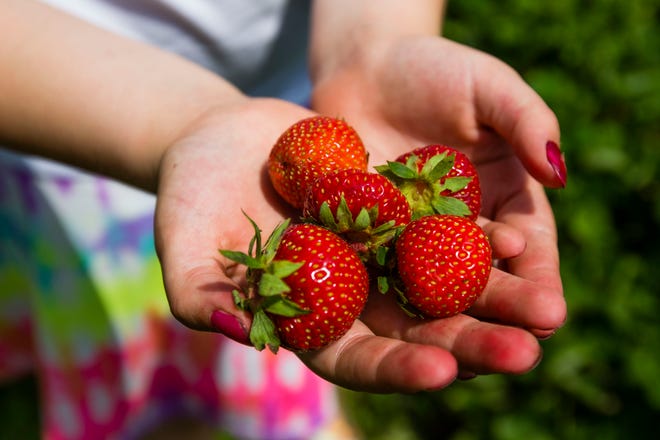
(596, 63)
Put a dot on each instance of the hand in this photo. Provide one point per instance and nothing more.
(212, 173)
(399, 95)
(215, 170)
(385, 350)
(198, 212)
(416, 91)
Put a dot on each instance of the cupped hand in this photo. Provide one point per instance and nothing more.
(216, 170)
(415, 91)
(208, 177)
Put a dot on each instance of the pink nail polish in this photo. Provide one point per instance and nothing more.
(556, 160)
(230, 326)
(466, 375)
(538, 360)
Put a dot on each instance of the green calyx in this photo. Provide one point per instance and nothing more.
(359, 231)
(391, 283)
(266, 286)
(423, 189)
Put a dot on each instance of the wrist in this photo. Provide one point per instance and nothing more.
(111, 107)
(348, 32)
(174, 117)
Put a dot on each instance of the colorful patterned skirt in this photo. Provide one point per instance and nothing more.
(82, 307)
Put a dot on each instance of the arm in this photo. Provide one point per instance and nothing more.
(73, 92)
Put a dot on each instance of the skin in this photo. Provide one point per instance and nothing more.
(400, 86)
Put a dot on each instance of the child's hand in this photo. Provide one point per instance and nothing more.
(197, 214)
(421, 90)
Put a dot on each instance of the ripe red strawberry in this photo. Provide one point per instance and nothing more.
(365, 208)
(309, 148)
(332, 283)
(437, 179)
(307, 287)
(443, 263)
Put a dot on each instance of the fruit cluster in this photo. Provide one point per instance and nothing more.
(409, 227)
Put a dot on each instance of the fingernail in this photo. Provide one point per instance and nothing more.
(556, 160)
(466, 375)
(538, 360)
(546, 334)
(230, 326)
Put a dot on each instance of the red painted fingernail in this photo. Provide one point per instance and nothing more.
(538, 360)
(230, 326)
(556, 160)
(466, 375)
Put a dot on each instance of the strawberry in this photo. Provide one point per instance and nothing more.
(443, 264)
(309, 148)
(332, 283)
(436, 179)
(306, 287)
(365, 208)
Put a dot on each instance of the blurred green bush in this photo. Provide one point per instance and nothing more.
(596, 63)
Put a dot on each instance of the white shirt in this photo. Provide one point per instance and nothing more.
(258, 45)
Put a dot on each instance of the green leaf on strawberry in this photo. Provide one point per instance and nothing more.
(436, 179)
(262, 332)
(265, 277)
(447, 204)
(272, 285)
(397, 169)
(364, 208)
(423, 188)
(306, 286)
(283, 307)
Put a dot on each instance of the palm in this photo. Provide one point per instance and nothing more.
(385, 350)
(193, 220)
(421, 98)
(196, 214)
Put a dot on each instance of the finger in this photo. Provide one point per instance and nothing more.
(513, 300)
(365, 362)
(506, 241)
(508, 105)
(201, 298)
(196, 278)
(532, 215)
(479, 347)
(531, 294)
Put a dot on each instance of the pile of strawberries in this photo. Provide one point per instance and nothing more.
(408, 229)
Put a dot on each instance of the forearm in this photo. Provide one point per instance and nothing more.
(344, 31)
(75, 93)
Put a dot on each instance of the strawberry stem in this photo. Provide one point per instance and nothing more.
(266, 285)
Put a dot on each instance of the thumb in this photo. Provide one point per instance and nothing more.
(198, 290)
(230, 326)
(508, 105)
(201, 298)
